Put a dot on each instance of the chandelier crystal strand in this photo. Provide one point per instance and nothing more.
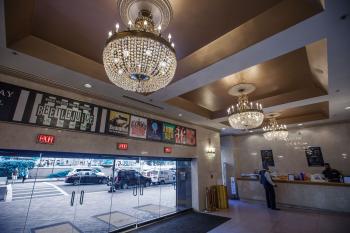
(274, 131)
(139, 59)
(245, 115)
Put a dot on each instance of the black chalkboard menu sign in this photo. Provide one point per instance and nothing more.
(314, 157)
(267, 157)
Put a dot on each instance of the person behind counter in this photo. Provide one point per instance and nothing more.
(331, 174)
(266, 181)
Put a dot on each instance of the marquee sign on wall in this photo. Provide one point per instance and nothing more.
(27, 106)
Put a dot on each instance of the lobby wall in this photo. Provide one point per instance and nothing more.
(205, 171)
(333, 139)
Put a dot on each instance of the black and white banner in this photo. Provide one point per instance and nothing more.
(18, 104)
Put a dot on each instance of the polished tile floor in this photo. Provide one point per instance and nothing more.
(250, 217)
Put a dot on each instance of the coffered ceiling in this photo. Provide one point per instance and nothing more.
(292, 51)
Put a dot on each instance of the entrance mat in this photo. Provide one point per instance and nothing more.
(190, 222)
(157, 209)
(117, 219)
(57, 228)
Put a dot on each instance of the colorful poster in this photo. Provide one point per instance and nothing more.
(118, 123)
(168, 132)
(180, 135)
(138, 127)
(191, 137)
(55, 111)
(154, 130)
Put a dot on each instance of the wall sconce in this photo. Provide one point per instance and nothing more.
(210, 151)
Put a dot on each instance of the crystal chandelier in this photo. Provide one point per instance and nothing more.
(140, 59)
(274, 131)
(245, 114)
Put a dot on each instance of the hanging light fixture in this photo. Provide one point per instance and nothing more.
(274, 131)
(245, 114)
(139, 59)
(210, 151)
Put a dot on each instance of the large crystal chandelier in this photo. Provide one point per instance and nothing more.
(140, 59)
(245, 114)
(274, 131)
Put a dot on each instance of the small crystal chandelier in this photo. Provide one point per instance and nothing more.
(210, 151)
(245, 114)
(140, 59)
(274, 131)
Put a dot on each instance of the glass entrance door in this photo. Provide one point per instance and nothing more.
(94, 199)
(150, 180)
(55, 195)
(167, 187)
(126, 191)
(17, 174)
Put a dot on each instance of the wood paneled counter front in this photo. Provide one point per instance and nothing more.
(310, 194)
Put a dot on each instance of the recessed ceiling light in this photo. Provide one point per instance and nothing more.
(280, 156)
(300, 124)
(87, 85)
(180, 114)
(347, 108)
(223, 128)
(344, 154)
(251, 131)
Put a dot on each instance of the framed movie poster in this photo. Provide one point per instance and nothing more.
(180, 135)
(154, 130)
(314, 157)
(168, 132)
(190, 137)
(118, 123)
(267, 157)
(138, 127)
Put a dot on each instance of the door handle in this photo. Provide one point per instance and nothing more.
(82, 197)
(141, 189)
(72, 198)
(134, 190)
(174, 185)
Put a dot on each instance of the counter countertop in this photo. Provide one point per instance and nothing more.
(300, 182)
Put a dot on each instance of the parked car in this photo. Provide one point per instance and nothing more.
(128, 178)
(161, 177)
(86, 176)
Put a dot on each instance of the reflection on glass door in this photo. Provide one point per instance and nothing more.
(17, 175)
(183, 185)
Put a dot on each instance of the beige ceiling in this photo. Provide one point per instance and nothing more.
(204, 31)
(72, 34)
(298, 75)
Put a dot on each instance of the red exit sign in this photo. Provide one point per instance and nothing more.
(168, 150)
(122, 146)
(46, 139)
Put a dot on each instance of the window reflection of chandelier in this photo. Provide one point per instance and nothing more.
(245, 114)
(140, 59)
(297, 142)
(274, 131)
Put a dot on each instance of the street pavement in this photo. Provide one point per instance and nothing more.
(39, 190)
